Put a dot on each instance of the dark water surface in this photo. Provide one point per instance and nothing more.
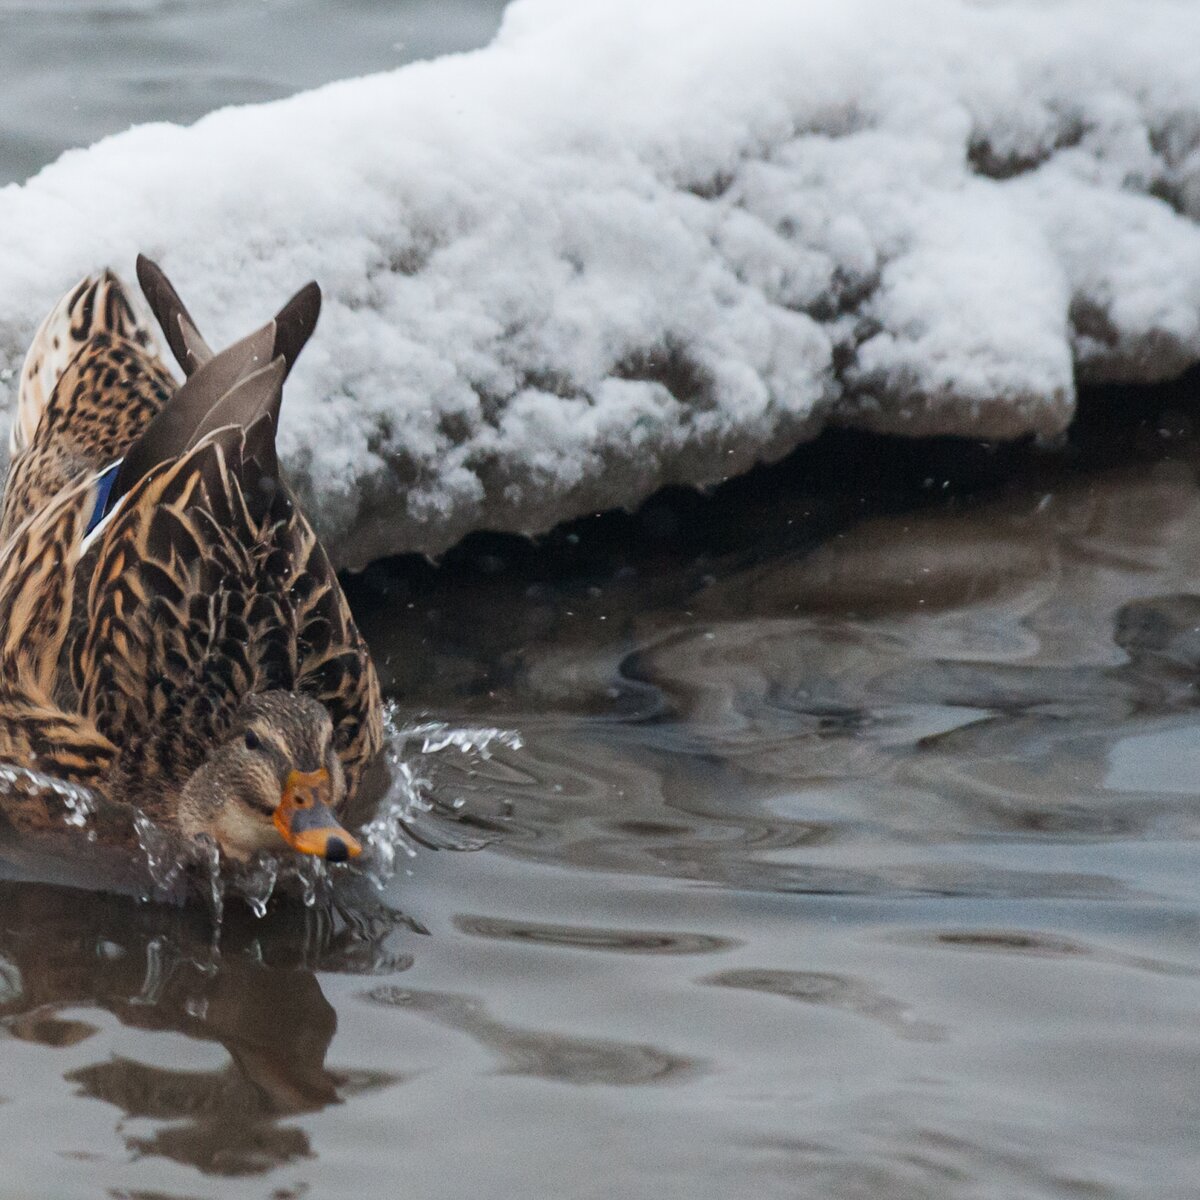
(851, 850)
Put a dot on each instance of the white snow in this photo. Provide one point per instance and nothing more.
(635, 242)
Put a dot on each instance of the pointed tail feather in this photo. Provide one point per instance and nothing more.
(294, 322)
(187, 343)
(239, 387)
(246, 403)
(170, 433)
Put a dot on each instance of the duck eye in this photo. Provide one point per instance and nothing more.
(252, 742)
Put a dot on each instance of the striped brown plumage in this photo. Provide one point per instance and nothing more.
(120, 669)
(74, 433)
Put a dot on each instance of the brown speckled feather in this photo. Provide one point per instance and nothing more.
(102, 401)
(97, 305)
(210, 586)
(334, 664)
(121, 670)
(37, 568)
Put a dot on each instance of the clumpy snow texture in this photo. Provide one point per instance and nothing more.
(640, 242)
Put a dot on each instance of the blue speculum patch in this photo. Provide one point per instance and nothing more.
(104, 490)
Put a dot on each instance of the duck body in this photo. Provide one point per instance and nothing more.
(173, 637)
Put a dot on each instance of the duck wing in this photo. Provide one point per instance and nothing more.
(333, 663)
(331, 660)
(96, 306)
(186, 612)
(91, 385)
(209, 586)
(37, 569)
(235, 387)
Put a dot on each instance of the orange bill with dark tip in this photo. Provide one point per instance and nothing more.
(306, 822)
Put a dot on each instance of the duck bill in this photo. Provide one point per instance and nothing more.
(306, 822)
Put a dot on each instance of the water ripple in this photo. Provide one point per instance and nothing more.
(552, 1056)
(832, 991)
(579, 937)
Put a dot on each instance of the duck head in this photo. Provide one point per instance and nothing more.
(275, 782)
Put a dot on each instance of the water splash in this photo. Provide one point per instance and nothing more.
(390, 834)
(169, 858)
(386, 835)
(159, 968)
(389, 838)
(259, 881)
(256, 884)
(436, 736)
(209, 854)
(310, 875)
(78, 802)
(163, 855)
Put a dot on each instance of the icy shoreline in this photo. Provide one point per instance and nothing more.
(631, 244)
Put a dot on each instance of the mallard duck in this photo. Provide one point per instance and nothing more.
(173, 637)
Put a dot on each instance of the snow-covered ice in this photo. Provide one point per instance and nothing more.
(635, 242)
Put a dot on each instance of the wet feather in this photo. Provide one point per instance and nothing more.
(130, 659)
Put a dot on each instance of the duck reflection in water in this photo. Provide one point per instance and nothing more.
(156, 969)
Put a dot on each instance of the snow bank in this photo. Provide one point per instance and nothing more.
(635, 242)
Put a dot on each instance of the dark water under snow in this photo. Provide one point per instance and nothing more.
(851, 850)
